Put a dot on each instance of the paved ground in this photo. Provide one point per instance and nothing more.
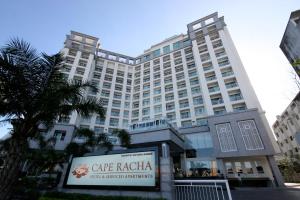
(291, 192)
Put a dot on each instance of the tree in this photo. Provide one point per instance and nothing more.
(33, 92)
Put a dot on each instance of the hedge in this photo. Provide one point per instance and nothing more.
(73, 196)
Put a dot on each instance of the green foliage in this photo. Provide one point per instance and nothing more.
(289, 168)
(72, 196)
(124, 137)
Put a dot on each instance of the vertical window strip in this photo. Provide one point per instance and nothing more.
(225, 136)
(250, 135)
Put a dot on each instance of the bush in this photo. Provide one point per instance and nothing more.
(72, 196)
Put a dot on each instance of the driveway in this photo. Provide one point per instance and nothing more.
(291, 192)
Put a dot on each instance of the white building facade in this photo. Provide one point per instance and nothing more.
(194, 81)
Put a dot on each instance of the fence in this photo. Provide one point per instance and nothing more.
(202, 190)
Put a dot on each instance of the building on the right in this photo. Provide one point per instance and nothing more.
(287, 129)
(290, 43)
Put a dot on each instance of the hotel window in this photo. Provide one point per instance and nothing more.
(178, 61)
(202, 122)
(98, 130)
(229, 169)
(157, 109)
(250, 135)
(197, 100)
(113, 122)
(146, 102)
(115, 112)
(225, 136)
(146, 79)
(156, 53)
(168, 88)
(198, 141)
(169, 97)
(193, 73)
(171, 116)
(116, 103)
(157, 83)
(182, 93)
(259, 167)
(181, 85)
(187, 123)
(146, 111)
(146, 94)
(166, 65)
(191, 65)
(119, 80)
(157, 99)
(106, 85)
(135, 104)
(179, 68)
(166, 49)
(127, 105)
(156, 75)
(199, 110)
(117, 95)
(194, 81)
(156, 61)
(205, 57)
(180, 76)
(127, 97)
(156, 69)
(168, 80)
(217, 44)
(248, 167)
(220, 110)
(72, 52)
(146, 86)
(176, 45)
(80, 71)
(157, 91)
(196, 90)
(170, 106)
(177, 54)
(82, 63)
(185, 114)
(167, 72)
(108, 78)
(105, 93)
(238, 167)
(239, 107)
(184, 103)
(109, 71)
(99, 120)
(166, 58)
(104, 101)
(126, 113)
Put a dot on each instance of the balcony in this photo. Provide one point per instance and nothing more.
(228, 73)
(236, 97)
(217, 101)
(231, 85)
(214, 89)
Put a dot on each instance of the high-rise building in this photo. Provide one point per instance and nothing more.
(287, 129)
(196, 82)
(184, 78)
(290, 43)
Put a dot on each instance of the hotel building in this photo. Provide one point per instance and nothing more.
(191, 85)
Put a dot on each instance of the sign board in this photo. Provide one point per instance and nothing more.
(123, 169)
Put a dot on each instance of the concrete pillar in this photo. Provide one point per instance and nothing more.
(275, 171)
(166, 173)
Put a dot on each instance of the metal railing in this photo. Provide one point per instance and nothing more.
(202, 190)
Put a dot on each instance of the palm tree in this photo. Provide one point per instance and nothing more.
(33, 92)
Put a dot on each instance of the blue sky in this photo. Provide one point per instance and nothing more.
(131, 26)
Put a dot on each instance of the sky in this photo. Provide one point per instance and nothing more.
(131, 26)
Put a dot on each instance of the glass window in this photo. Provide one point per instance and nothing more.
(248, 167)
(228, 166)
(176, 45)
(202, 168)
(166, 49)
(198, 141)
(156, 53)
(238, 167)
